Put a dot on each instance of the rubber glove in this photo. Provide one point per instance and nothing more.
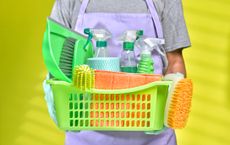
(49, 99)
(175, 77)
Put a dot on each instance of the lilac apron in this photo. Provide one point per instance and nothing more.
(117, 23)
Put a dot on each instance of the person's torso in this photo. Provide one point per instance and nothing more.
(116, 6)
(118, 23)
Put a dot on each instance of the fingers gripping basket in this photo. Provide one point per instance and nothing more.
(133, 109)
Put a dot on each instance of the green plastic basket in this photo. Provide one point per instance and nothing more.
(135, 109)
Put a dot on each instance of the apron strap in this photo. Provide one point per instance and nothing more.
(83, 7)
(155, 17)
(151, 7)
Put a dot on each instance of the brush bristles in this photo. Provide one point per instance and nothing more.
(66, 58)
(84, 78)
(179, 107)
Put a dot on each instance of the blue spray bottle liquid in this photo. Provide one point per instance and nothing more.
(146, 64)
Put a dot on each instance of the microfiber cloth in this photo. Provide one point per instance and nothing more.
(119, 80)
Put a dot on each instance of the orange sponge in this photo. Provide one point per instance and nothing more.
(120, 80)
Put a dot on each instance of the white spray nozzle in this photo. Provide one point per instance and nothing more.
(152, 42)
(100, 34)
(131, 35)
(147, 45)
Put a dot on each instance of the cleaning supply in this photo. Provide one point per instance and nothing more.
(101, 36)
(83, 77)
(108, 80)
(133, 109)
(101, 59)
(179, 101)
(63, 48)
(66, 58)
(105, 63)
(128, 58)
(116, 23)
(83, 81)
(137, 108)
(147, 45)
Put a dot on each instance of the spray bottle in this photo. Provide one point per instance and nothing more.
(146, 46)
(101, 36)
(128, 58)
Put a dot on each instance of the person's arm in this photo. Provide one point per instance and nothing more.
(176, 36)
(175, 62)
(65, 12)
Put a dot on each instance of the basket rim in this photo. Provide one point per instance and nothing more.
(115, 91)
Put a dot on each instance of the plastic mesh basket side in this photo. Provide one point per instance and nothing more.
(142, 110)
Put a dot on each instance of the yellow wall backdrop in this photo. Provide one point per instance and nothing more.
(24, 117)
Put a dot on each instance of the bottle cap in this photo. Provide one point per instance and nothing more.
(101, 44)
(140, 33)
(86, 30)
(128, 46)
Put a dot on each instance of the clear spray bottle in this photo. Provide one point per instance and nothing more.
(146, 64)
(128, 58)
(101, 36)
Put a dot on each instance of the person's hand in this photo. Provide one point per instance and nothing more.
(175, 77)
(49, 99)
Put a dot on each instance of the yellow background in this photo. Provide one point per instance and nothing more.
(24, 117)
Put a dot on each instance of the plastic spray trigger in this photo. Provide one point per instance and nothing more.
(90, 36)
(155, 44)
(147, 45)
(100, 36)
(131, 35)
